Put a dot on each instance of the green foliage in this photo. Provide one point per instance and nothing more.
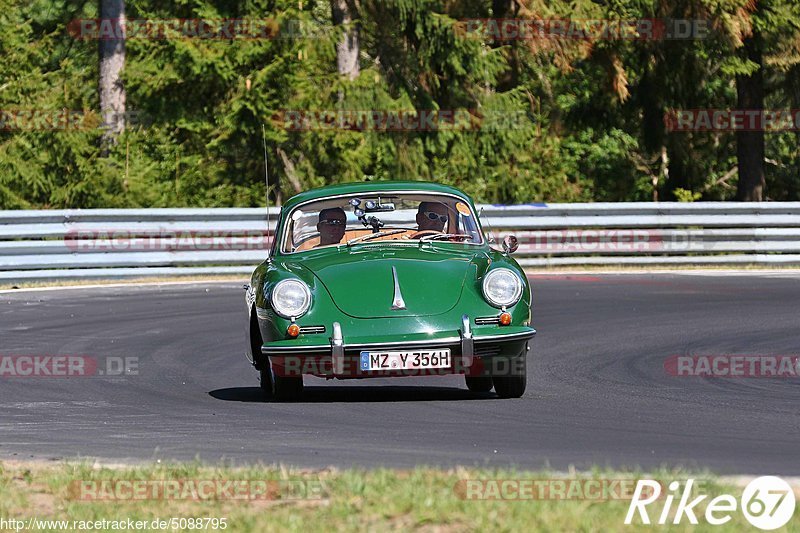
(682, 195)
(550, 119)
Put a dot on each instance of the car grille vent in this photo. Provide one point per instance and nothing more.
(312, 329)
(483, 320)
(487, 350)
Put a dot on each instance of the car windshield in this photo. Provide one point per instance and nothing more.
(390, 218)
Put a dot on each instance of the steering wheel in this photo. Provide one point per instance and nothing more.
(424, 232)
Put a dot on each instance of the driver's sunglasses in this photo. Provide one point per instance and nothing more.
(435, 216)
(332, 222)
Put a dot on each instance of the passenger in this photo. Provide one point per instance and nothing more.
(331, 226)
(432, 216)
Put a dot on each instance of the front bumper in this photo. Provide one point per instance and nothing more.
(338, 358)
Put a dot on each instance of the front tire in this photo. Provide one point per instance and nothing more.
(281, 388)
(287, 389)
(265, 377)
(479, 384)
(514, 383)
(261, 362)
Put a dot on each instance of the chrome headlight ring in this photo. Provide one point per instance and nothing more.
(502, 287)
(290, 298)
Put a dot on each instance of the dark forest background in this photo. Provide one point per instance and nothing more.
(586, 116)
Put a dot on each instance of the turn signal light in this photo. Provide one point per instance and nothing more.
(293, 330)
(505, 319)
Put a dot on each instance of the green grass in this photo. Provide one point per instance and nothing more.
(345, 500)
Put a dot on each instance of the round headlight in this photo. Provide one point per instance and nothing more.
(502, 287)
(291, 298)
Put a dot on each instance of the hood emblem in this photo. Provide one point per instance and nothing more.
(397, 302)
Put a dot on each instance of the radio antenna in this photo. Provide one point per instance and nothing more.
(266, 166)
(266, 180)
(490, 235)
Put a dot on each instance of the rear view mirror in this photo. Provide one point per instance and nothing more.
(378, 207)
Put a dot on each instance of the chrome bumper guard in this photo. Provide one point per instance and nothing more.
(467, 342)
(337, 349)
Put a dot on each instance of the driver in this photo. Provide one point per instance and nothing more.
(432, 216)
(331, 226)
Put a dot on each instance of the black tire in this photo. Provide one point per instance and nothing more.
(479, 383)
(280, 388)
(286, 389)
(265, 377)
(262, 364)
(513, 385)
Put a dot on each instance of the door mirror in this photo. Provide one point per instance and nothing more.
(510, 244)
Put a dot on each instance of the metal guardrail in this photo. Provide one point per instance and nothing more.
(118, 243)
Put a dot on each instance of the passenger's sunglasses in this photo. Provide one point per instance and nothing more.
(435, 216)
(332, 222)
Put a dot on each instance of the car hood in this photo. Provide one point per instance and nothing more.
(361, 281)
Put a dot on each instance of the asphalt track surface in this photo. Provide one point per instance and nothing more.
(598, 392)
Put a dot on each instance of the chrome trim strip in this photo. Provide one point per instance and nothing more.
(250, 295)
(397, 302)
(432, 343)
(324, 349)
(507, 337)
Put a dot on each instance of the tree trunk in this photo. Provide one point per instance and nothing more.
(347, 49)
(112, 61)
(792, 187)
(509, 80)
(750, 144)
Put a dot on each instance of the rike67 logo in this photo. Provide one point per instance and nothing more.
(767, 503)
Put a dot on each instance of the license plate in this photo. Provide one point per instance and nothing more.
(405, 360)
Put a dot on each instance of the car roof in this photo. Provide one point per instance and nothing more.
(371, 187)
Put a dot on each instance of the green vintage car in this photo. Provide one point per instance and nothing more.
(387, 279)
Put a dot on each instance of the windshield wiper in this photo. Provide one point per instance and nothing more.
(439, 236)
(370, 236)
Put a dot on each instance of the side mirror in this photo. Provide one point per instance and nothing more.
(510, 244)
